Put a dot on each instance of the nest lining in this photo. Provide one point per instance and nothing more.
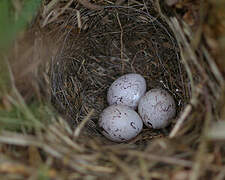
(113, 42)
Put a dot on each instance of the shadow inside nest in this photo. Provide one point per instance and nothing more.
(113, 42)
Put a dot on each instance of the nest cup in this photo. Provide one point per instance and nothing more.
(108, 44)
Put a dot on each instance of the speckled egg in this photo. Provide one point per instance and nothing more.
(127, 90)
(120, 123)
(156, 108)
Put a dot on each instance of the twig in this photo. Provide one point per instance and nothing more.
(57, 15)
(119, 2)
(28, 140)
(82, 124)
(49, 6)
(185, 113)
(213, 67)
(168, 160)
(197, 169)
(79, 24)
(66, 139)
(121, 41)
(181, 120)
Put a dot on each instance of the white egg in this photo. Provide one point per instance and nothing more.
(156, 108)
(127, 90)
(120, 123)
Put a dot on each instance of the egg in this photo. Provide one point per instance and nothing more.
(127, 90)
(156, 108)
(120, 123)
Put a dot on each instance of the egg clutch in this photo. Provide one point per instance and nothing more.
(120, 122)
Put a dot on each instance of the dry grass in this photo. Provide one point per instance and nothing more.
(92, 47)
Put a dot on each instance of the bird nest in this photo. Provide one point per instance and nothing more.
(100, 46)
